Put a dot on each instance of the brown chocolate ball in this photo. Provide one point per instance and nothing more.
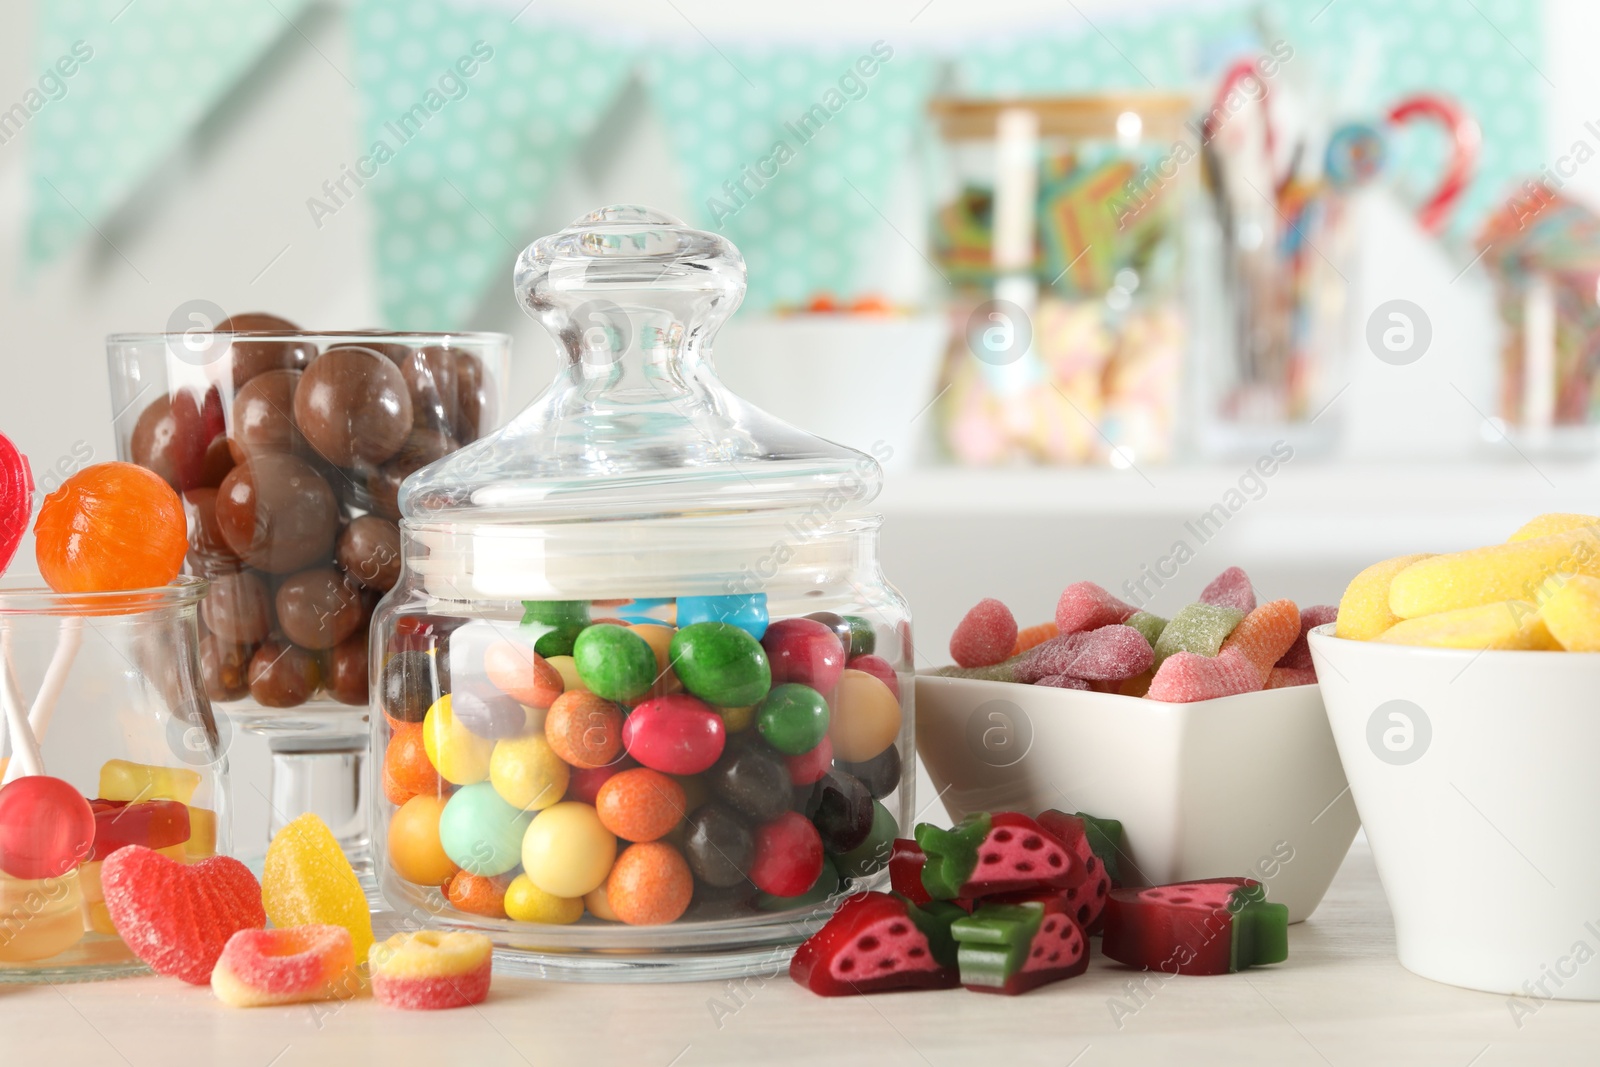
(430, 375)
(353, 407)
(224, 668)
(277, 513)
(474, 399)
(422, 447)
(238, 608)
(209, 554)
(263, 415)
(369, 551)
(250, 358)
(347, 669)
(283, 675)
(218, 461)
(171, 435)
(318, 608)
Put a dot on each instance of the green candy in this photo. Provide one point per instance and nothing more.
(554, 641)
(721, 664)
(826, 885)
(934, 919)
(793, 718)
(1105, 841)
(872, 854)
(555, 612)
(952, 854)
(862, 639)
(1148, 625)
(614, 662)
(1197, 628)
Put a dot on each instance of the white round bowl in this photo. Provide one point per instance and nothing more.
(1245, 786)
(1475, 776)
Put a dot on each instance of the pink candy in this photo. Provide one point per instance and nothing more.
(1108, 654)
(1287, 677)
(1063, 681)
(1186, 677)
(1299, 655)
(984, 636)
(1086, 606)
(1230, 589)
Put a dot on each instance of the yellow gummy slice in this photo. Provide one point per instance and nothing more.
(430, 954)
(1364, 609)
(122, 779)
(306, 880)
(1521, 570)
(1552, 523)
(1572, 614)
(1510, 624)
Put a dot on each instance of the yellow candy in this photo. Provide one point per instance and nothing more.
(1364, 609)
(1553, 523)
(202, 843)
(1572, 614)
(737, 720)
(430, 954)
(43, 917)
(121, 779)
(568, 669)
(865, 719)
(306, 879)
(1509, 624)
(1521, 570)
(599, 905)
(460, 756)
(527, 773)
(527, 903)
(567, 851)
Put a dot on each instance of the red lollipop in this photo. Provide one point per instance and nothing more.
(16, 499)
(46, 827)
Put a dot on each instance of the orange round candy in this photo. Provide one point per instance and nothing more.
(583, 729)
(112, 526)
(406, 765)
(518, 671)
(415, 851)
(478, 895)
(650, 884)
(640, 805)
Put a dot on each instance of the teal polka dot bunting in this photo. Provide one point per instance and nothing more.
(467, 120)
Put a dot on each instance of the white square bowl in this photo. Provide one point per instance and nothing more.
(1247, 785)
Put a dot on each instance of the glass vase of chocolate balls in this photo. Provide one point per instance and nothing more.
(288, 448)
(645, 690)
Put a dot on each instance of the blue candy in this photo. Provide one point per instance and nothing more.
(747, 611)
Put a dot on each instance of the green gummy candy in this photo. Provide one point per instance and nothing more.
(1148, 625)
(872, 855)
(952, 854)
(1260, 930)
(1105, 841)
(935, 920)
(999, 672)
(994, 941)
(1197, 628)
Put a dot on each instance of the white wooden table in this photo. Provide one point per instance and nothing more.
(1340, 999)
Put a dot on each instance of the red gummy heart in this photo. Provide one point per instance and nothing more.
(178, 917)
(16, 500)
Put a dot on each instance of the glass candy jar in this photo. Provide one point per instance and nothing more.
(646, 691)
(107, 739)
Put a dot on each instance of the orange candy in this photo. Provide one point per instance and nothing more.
(415, 851)
(111, 526)
(1030, 636)
(649, 884)
(583, 729)
(1265, 635)
(518, 671)
(477, 894)
(659, 638)
(640, 805)
(406, 769)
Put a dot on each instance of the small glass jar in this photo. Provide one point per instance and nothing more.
(1060, 228)
(646, 691)
(102, 692)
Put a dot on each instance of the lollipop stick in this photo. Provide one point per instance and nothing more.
(25, 756)
(70, 639)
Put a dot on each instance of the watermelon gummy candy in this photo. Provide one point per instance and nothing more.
(1086, 898)
(1085, 606)
(1198, 628)
(178, 917)
(1299, 654)
(906, 860)
(984, 635)
(286, 966)
(988, 853)
(1230, 589)
(877, 942)
(1108, 654)
(1018, 945)
(1186, 677)
(1266, 634)
(1215, 926)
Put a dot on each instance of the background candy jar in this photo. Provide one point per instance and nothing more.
(108, 740)
(288, 448)
(645, 689)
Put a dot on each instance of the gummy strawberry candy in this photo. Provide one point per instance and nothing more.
(988, 853)
(307, 879)
(1086, 606)
(1186, 677)
(178, 917)
(984, 635)
(876, 942)
(16, 499)
(1214, 926)
(1230, 589)
(1087, 897)
(285, 966)
(111, 526)
(1299, 654)
(1019, 945)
